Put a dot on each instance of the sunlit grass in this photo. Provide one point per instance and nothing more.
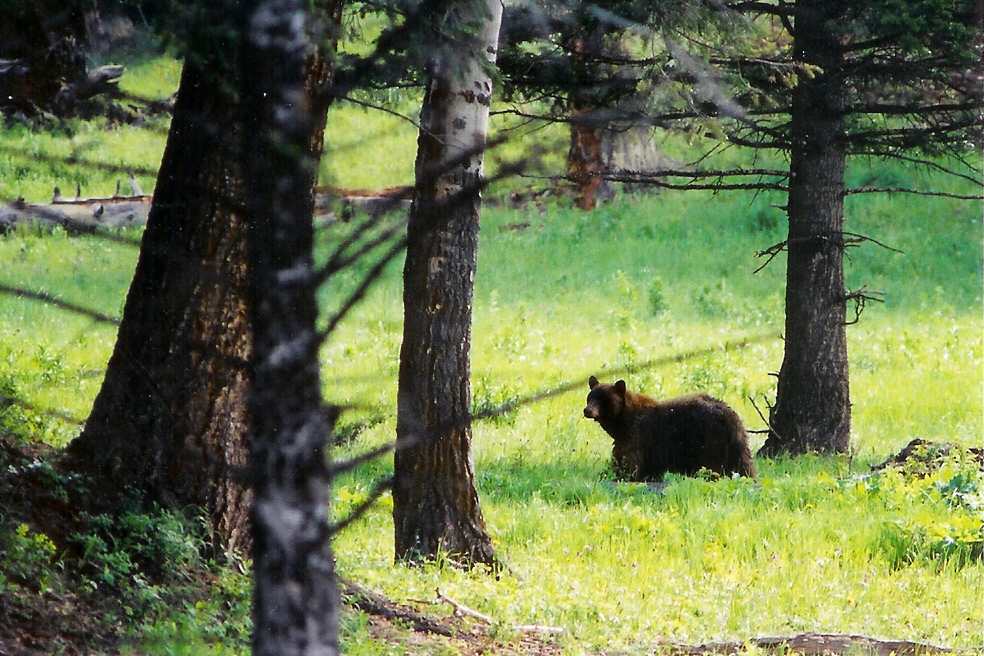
(811, 546)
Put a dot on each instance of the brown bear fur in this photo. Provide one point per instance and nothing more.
(682, 435)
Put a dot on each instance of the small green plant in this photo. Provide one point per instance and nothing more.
(18, 421)
(26, 556)
(494, 401)
(716, 300)
(657, 298)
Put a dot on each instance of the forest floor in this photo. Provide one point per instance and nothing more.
(35, 617)
(73, 616)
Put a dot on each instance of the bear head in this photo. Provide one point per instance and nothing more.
(605, 401)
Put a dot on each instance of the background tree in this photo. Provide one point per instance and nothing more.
(813, 404)
(601, 67)
(435, 504)
(170, 420)
(44, 47)
(823, 82)
(566, 54)
(883, 79)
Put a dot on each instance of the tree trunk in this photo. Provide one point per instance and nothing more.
(435, 504)
(813, 409)
(295, 609)
(171, 417)
(585, 158)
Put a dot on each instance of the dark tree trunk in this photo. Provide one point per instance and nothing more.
(813, 410)
(295, 609)
(171, 417)
(435, 504)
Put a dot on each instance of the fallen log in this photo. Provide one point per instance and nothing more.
(85, 214)
(810, 644)
(81, 216)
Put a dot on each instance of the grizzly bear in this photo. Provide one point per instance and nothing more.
(681, 436)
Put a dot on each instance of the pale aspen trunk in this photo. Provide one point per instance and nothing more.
(435, 503)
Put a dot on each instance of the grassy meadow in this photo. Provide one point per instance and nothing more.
(657, 289)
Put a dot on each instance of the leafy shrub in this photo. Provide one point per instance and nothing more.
(949, 530)
(138, 557)
(160, 544)
(18, 422)
(26, 556)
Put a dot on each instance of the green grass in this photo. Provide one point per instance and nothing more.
(812, 545)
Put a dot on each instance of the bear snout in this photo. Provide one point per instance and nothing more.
(590, 412)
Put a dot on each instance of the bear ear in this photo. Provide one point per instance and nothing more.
(592, 382)
(620, 386)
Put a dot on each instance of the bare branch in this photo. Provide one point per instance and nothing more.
(378, 490)
(45, 297)
(860, 297)
(916, 192)
(339, 260)
(858, 239)
(928, 164)
(771, 252)
(392, 112)
(761, 416)
(360, 291)
(461, 609)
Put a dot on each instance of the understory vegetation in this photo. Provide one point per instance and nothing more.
(659, 289)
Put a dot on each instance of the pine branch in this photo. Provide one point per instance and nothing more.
(929, 164)
(781, 10)
(916, 192)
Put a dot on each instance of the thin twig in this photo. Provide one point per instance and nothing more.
(862, 238)
(916, 192)
(772, 251)
(461, 609)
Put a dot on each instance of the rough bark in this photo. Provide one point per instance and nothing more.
(435, 504)
(170, 420)
(170, 417)
(813, 410)
(295, 608)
